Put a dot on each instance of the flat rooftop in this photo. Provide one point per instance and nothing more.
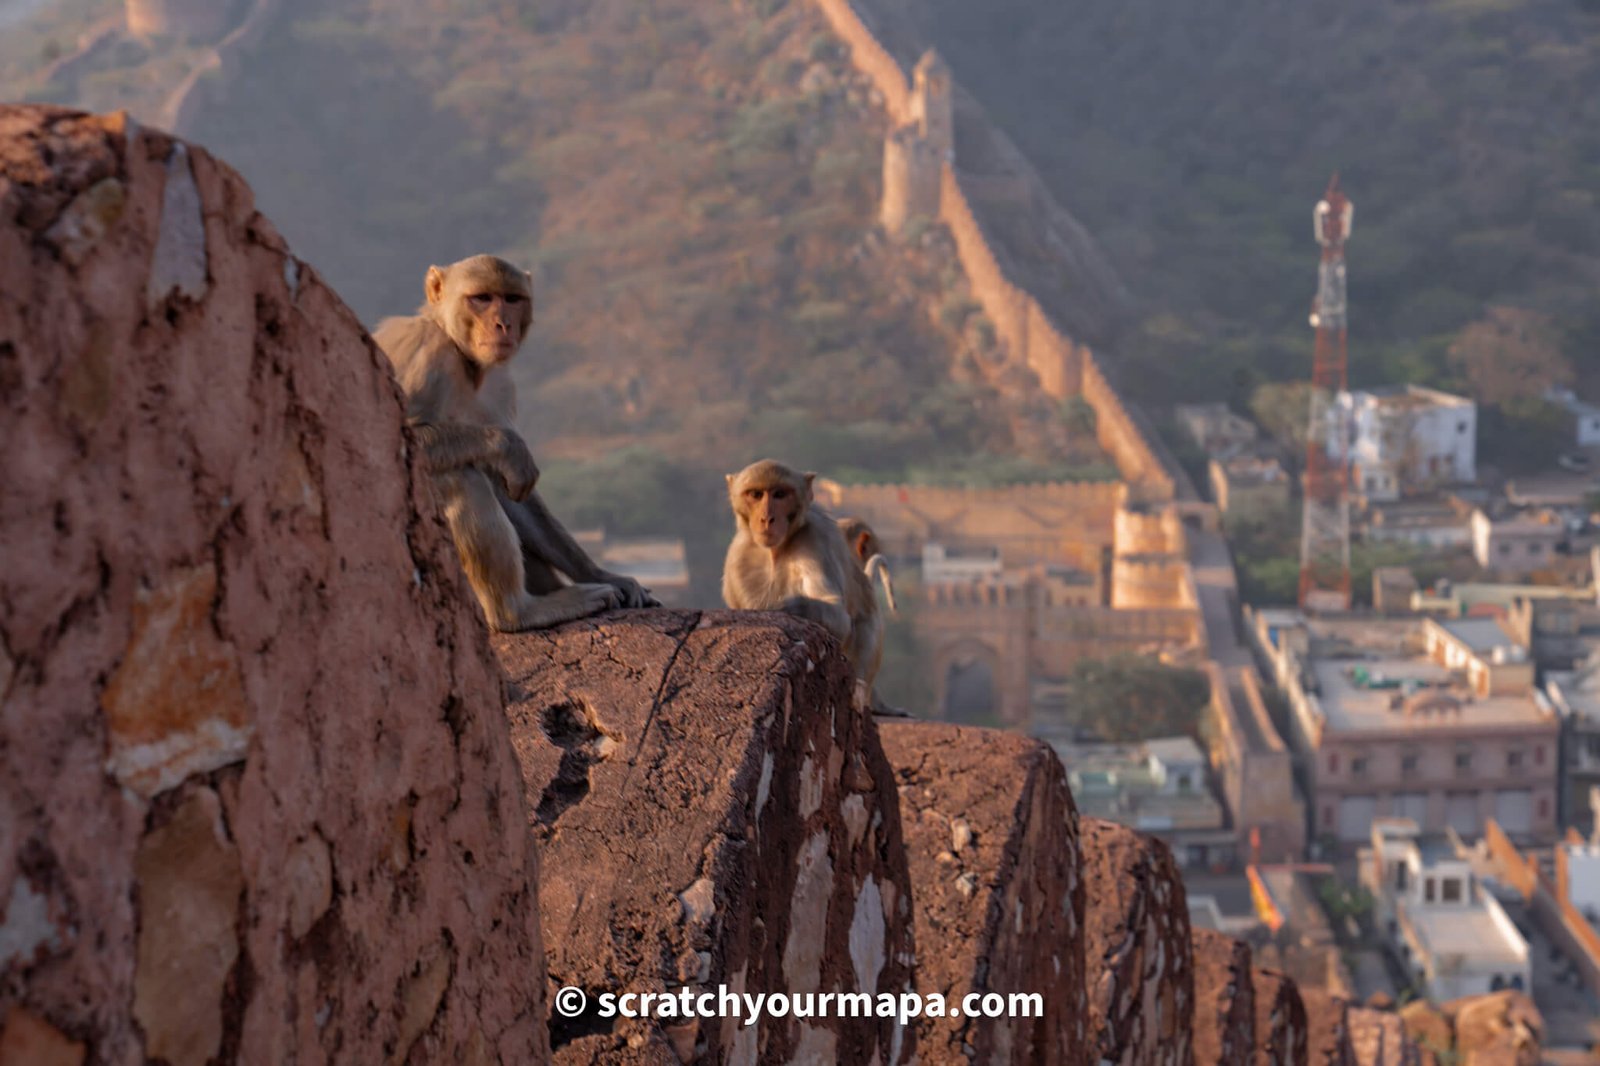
(1353, 707)
(1482, 635)
(1468, 931)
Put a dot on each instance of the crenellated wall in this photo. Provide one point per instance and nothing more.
(870, 58)
(919, 112)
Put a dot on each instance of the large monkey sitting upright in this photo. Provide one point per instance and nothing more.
(514, 551)
(787, 555)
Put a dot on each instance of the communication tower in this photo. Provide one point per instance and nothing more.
(1325, 526)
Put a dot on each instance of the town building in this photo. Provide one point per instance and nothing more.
(1575, 695)
(1248, 487)
(1217, 430)
(1407, 439)
(1392, 589)
(1585, 416)
(1516, 544)
(952, 566)
(1155, 786)
(1437, 721)
(1433, 522)
(1452, 937)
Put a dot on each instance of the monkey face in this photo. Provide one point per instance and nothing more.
(772, 511)
(496, 323)
(485, 304)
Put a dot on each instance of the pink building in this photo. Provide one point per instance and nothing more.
(1438, 722)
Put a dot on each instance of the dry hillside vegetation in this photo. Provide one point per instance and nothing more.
(694, 183)
(1195, 137)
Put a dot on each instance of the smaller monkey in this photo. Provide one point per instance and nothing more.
(788, 555)
(864, 542)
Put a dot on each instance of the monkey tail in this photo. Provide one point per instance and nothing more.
(877, 569)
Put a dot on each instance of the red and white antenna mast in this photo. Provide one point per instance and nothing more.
(1325, 527)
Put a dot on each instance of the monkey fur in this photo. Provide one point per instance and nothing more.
(864, 542)
(788, 555)
(450, 361)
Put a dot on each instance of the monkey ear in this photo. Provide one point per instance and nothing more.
(810, 477)
(433, 284)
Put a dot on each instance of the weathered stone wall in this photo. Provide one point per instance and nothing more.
(1224, 1008)
(871, 58)
(712, 811)
(992, 836)
(1136, 947)
(257, 797)
(1499, 1029)
(1280, 1020)
(1327, 1028)
(1379, 1038)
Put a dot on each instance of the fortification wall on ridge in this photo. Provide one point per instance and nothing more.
(870, 58)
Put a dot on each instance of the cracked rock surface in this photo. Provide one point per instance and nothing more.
(992, 837)
(1136, 948)
(258, 801)
(1280, 1019)
(1224, 1008)
(710, 810)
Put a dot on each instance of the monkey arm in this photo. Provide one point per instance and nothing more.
(543, 535)
(821, 602)
(453, 445)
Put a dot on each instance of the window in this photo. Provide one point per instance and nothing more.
(1538, 755)
(1358, 767)
(1333, 762)
(1427, 890)
(1450, 890)
(1461, 427)
(1544, 807)
(1505, 549)
(1408, 763)
(1513, 759)
(1183, 783)
(1463, 762)
(1400, 876)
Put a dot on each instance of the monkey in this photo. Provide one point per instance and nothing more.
(476, 315)
(864, 542)
(789, 555)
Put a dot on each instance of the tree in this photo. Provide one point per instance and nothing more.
(1283, 408)
(1129, 697)
(1510, 354)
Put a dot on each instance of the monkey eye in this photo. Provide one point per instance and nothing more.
(479, 299)
(780, 494)
(514, 298)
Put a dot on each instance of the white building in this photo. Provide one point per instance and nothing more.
(1585, 417)
(1407, 439)
(957, 566)
(1518, 543)
(1451, 936)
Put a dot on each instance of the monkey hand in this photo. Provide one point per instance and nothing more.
(633, 594)
(514, 465)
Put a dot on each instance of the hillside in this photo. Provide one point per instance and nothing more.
(1194, 138)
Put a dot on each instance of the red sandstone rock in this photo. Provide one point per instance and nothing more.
(1498, 1029)
(1136, 949)
(1379, 1038)
(257, 796)
(1328, 1023)
(711, 811)
(1224, 1003)
(992, 837)
(1280, 1020)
